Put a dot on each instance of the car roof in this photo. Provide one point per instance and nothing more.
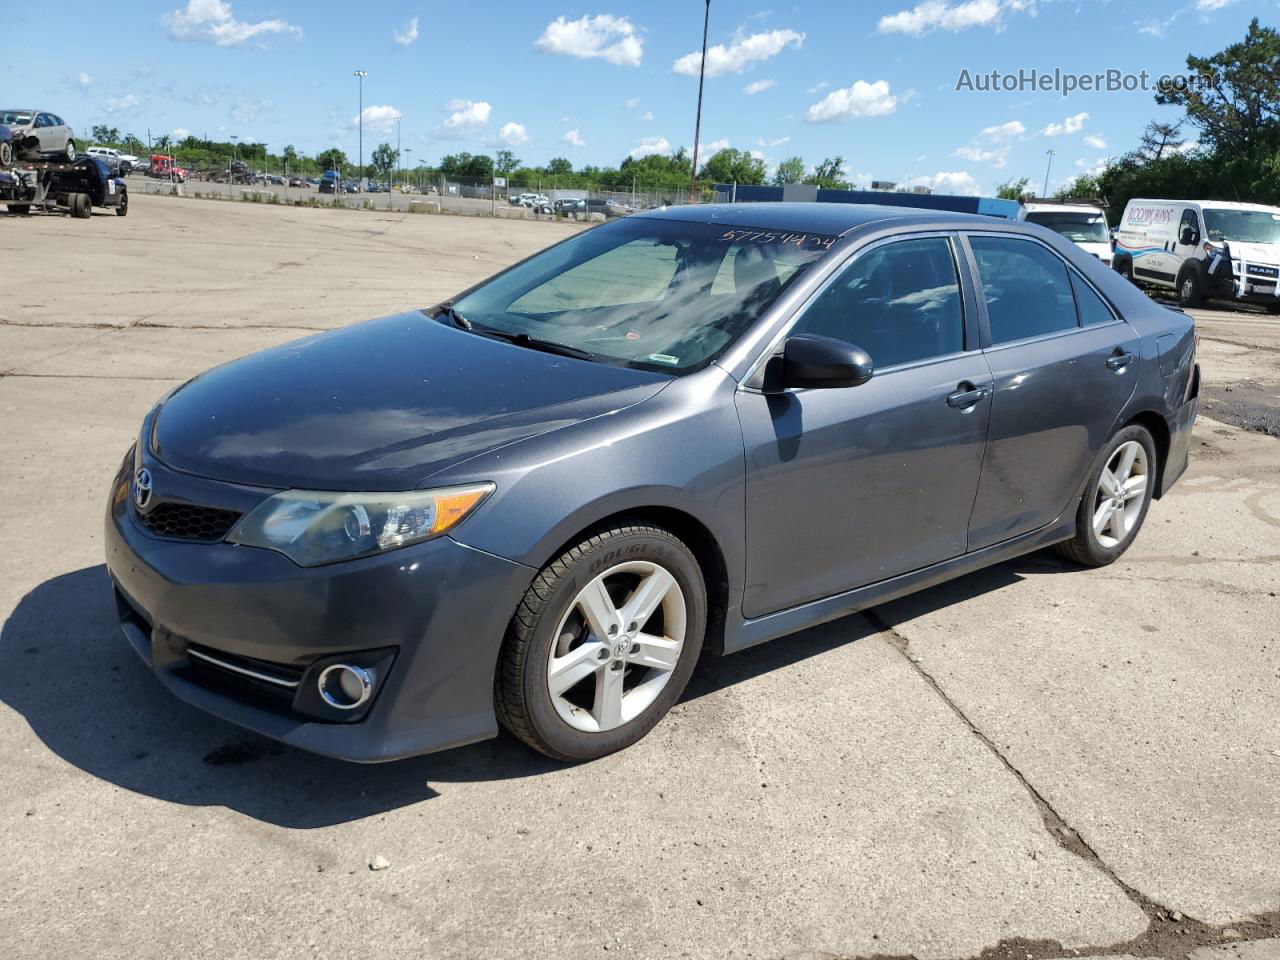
(1062, 207)
(826, 218)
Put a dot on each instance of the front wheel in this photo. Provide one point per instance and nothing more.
(1115, 501)
(69, 151)
(122, 208)
(603, 643)
(1124, 267)
(1189, 292)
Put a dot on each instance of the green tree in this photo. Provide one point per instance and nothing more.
(733, 166)
(1159, 139)
(384, 159)
(1236, 92)
(1013, 189)
(506, 162)
(290, 155)
(790, 170)
(559, 167)
(466, 166)
(829, 174)
(332, 159)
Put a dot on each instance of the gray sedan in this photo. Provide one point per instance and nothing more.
(679, 434)
(39, 134)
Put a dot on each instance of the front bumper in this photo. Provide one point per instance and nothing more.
(432, 615)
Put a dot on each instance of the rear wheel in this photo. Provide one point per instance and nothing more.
(69, 151)
(1115, 501)
(1124, 267)
(602, 644)
(80, 206)
(6, 154)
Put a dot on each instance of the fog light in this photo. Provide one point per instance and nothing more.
(345, 687)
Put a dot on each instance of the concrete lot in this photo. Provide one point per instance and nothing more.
(1033, 761)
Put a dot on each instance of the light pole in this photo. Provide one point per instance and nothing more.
(360, 75)
(231, 170)
(409, 150)
(397, 167)
(1047, 167)
(697, 124)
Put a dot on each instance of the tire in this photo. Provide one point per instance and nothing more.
(1271, 308)
(584, 722)
(20, 209)
(69, 151)
(1101, 539)
(122, 208)
(6, 155)
(1124, 267)
(1190, 290)
(81, 208)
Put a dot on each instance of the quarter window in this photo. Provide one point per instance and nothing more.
(1027, 290)
(899, 302)
(1091, 306)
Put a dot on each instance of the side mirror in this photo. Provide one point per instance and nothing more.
(1188, 236)
(816, 362)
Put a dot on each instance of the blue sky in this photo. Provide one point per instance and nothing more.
(872, 81)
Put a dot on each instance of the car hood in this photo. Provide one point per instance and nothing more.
(379, 406)
(1268, 253)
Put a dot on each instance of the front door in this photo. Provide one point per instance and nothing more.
(849, 486)
(1064, 366)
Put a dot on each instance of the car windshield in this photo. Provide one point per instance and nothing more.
(1081, 227)
(1243, 226)
(15, 116)
(646, 292)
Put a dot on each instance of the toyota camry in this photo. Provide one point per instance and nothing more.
(678, 434)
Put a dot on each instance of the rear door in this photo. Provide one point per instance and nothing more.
(1063, 366)
(849, 486)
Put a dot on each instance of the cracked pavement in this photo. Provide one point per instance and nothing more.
(1033, 761)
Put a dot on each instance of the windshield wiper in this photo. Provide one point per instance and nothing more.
(534, 343)
(457, 319)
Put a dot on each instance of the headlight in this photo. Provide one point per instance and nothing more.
(312, 528)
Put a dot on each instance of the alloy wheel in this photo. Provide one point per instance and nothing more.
(617, 646)
(1120, 494)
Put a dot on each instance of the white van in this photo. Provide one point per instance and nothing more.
(1082, 224)
(1202, 248)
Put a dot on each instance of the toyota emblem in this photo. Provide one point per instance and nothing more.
(142, 488)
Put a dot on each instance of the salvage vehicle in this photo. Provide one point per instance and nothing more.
(1202, 248)
(1082, 223)
(692, 429)
(77, 187)
(38, 135)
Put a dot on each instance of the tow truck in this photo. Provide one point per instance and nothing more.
(76, 187)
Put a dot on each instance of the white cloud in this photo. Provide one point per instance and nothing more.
(818, 88)
(466, 115)
(573, 139)
(954, 182)
(647, 115)
(762, 142)
(860, 100)
(1073, 124)
(246, 110)
(513, 134)
(1002, 131)
(1093, 169)
(757, 154)
(129, 101)
(408, 34)
(610, 38)
(758, 86)
(633, 103)
(378, 119)
(715, 146)
(1189, 147)
(997, 156)
(180, 133)
(649, 146)
(1205, 6)
(211, 21)
(940, 15)
(737, 56)
(84, 81)
(1095, 141)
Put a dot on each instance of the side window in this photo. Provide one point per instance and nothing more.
(1189, 219)
(1091, 306)
(1026, 287)
(899, 302)
(41, 120)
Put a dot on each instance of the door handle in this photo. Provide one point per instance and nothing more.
(1119, 361)
(966, 396)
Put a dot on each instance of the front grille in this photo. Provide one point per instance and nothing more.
(266, 684)
(185, 521)
(1259, 271)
